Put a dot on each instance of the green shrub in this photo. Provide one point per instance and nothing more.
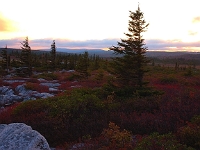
(196, 120)
(48, 76)
(73, 77)
(168, 80)
(64, 118)
(190, 135)
(160, 142)
(141, 105)
(189, 72)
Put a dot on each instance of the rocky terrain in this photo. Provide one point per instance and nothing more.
(10, 95)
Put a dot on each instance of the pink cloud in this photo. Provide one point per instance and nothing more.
(196, 19)
(152, 44)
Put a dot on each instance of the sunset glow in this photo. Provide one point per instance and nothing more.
(85, 23)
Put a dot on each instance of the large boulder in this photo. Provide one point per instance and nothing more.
(20, 136)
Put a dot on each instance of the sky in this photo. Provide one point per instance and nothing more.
(173, 24)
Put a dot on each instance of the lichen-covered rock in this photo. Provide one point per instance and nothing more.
(20, 136)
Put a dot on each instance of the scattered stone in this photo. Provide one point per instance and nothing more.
(63, 71)
(13, 81)
(71, 71)
(42, 80)
(78, 146)
(46, 95)
(75, 86)
(53, 90)
(82, 146)
(9, 95)
(50, 85)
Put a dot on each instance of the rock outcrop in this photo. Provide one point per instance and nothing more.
(19, 136)
(9, 96)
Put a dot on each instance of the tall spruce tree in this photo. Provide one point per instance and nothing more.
(129, 69)
(83, 64)
(53, 55)
(5, 58)
(26, 56)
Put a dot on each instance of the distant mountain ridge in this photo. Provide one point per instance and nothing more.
(107, 54)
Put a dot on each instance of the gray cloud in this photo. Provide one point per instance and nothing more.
(11, 43)
(60, 43)
(152, 44)
(88, 43)
(157, 44)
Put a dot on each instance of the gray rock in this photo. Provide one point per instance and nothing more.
(9, 92)
(23, 91)
(5, 90)
(20, 89)
(41, 80)
(62, 71)
(2, 126)
(71, 71)
(53, 90)
(13, 81)
(18, 136)
(46, 95)
(9, 99)
(27, 98)
(82, 146)
(8, 76)
(42, 95)
(37, 95)
(50, 85)
(75, 86)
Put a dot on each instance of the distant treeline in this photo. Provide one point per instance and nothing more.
(42, 61)
(174, 60)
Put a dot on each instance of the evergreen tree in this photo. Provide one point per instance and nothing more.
(53, 54)
(72, 62)
(26, 55)
(5, 58)
(83, 64)
(129, 69)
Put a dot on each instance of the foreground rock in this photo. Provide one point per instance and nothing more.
(18, 136)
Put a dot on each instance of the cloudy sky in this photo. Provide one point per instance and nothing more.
(174, 24)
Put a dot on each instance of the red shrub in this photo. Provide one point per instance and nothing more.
(33, 80)
(90, 84)
(15, 84)
(67, 85)
(5, 114)
(1, 82)
(37, 87)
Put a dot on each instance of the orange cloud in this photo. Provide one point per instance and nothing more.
(196, 19)
(5, 25)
